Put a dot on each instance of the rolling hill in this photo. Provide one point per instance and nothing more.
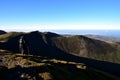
(48, 42)
(95, 54)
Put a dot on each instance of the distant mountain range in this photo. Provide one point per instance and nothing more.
(103, 38)
(110, 33)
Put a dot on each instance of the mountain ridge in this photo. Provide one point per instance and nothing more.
(48, 42)
(59, 47)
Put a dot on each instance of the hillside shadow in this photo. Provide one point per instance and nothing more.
(52, 72)
(41, 44)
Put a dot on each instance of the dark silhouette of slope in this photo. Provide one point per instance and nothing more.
(2, 32)
(56, 46)
(54, 72)
(10, 41)
(38, 43)
(111, 68)
(30, 67)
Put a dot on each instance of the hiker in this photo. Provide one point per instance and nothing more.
(22, 45)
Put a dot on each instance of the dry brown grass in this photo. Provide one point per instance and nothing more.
(52, 69)
(45, 76)
(4, 51)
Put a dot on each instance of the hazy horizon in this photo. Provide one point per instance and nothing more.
(112, 33)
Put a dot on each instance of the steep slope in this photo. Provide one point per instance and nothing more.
(86, 47)
(38, 43)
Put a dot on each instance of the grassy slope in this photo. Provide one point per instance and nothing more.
(37, 67)
(5, 37)
(90, 48)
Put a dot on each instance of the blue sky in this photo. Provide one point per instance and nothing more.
(26, 15)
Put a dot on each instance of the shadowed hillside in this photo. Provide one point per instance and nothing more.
(47, 42)
(2, 32)
(29, 67)
(56, 46)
